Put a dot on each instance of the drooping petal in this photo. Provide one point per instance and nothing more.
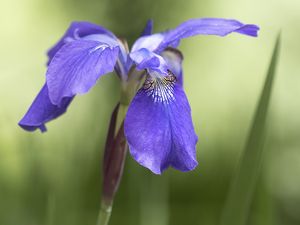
(77, 66)
(204, 26)
(145, 59)
(121, 67)
(148, 28)
(159, 128)
(42, 111)
(77, 30)
(174, 58)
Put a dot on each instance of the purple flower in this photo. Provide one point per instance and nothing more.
(158, 125)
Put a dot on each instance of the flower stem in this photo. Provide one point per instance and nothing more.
(115, 151)
(113, 162)
(104, 213)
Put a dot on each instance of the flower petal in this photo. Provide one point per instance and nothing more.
(203, 26)
(145, 59)
(150, 42)
(148, 28)
(77, 30)
(77, 66)
(102, 38)
(121, 67)
(159, 128)
(42, 111)
(174, 58)
(206, 26)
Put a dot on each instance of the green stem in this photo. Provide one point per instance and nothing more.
(115, 151)
(104, 213)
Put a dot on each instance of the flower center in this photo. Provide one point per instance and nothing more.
(161, 89)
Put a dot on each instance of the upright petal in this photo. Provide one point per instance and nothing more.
(174, 58)
(204, 26)
(145, 59)
(159, 128)
(150, 42)
(77, 66)
(42, 110)
(148, 28)
(126, 64)
(77, 30)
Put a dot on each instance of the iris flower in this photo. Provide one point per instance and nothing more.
(158, 124)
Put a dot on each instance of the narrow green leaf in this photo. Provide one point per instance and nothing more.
(240, 194)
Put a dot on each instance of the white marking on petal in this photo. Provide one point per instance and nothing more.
(159, 88)
(101, 47)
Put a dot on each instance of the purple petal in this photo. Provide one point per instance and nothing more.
(101, 38)
(150, 42)
(77, 66)
(174, 58)
(145, 59)
(42, 111)
(148, 28)
(159, 128)
(206, 26)
(77, 30)
(121, 68)
(249, 29)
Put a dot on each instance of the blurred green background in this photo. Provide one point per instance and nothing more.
(55, 178)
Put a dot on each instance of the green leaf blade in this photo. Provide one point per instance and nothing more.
(240, 194)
